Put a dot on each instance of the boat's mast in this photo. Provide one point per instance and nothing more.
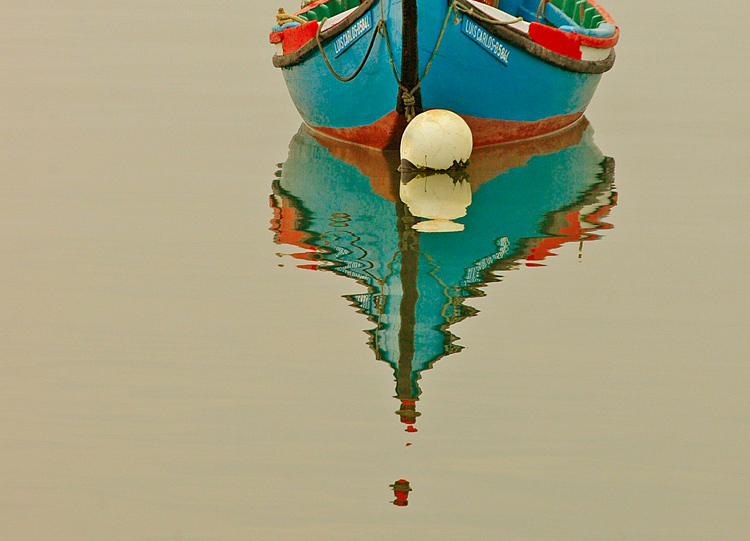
(409, 57)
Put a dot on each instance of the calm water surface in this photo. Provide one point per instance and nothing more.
(210, 316)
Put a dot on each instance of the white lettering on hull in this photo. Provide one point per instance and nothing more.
(483, 38)
(353, 33)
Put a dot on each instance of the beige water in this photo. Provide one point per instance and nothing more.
(163, 377)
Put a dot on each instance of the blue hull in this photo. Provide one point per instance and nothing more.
(504, 85)
(324, 101)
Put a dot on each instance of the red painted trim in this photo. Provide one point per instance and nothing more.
(607, 17)
(381, 134)
(296, 36)
(488, 131)
(386, 132)
(568, 43)
(601, 43)
(557, 41)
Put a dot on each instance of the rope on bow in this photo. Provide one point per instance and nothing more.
(378, 27)
(282, 18)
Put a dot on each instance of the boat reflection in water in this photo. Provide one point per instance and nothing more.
(423, 245)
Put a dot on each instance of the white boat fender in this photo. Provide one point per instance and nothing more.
(437, 139)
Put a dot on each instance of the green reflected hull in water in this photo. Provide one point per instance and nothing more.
(350, 212)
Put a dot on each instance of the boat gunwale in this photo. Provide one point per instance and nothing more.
(524, 41)
(509, 34)
(295, 57)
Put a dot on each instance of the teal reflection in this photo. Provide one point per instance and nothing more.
(422, 245)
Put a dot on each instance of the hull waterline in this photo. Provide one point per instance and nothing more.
(506, 86)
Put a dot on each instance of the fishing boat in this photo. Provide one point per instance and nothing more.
(360, 70)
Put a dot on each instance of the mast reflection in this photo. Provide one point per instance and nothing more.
(422, 245)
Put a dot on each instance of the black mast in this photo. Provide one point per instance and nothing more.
(409, 61)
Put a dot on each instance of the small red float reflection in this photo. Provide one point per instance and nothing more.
(401, 491)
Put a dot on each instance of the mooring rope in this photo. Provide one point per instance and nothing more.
(540, 10)
(407, 95)
(282, 18)
(381, 24)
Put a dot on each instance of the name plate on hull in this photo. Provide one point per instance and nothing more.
(360, 27)
(485, 40)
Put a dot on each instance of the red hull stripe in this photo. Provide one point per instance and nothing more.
(488, 131)
(386, 132)
(381, 134)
